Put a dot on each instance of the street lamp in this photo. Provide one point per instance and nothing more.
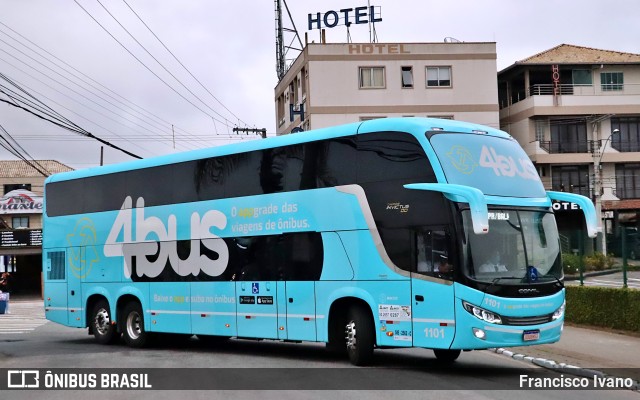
(598, 195)
(605, 145)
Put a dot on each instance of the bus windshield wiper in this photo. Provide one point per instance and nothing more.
(558, 280)
(498, 279)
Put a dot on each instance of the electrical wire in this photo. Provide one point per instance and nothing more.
(179, 62)
(160, 64)
(20, 152)
(144, 65)
(144, 115)
(50, 116)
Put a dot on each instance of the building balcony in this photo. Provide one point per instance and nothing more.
(590, 98)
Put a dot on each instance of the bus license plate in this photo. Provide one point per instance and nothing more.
(528, 336)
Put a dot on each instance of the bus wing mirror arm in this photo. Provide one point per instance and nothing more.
(474, 197)
(585, 204)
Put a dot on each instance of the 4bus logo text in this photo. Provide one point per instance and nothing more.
(153, 242)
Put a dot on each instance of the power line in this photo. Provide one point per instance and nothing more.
(179, 62)
(71, 98)
(70, 126)
(20, 152)
(140, 114)
(160, 64)
(143, 64)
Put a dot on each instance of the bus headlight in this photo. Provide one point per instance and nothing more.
(481, 313)
(559, 312)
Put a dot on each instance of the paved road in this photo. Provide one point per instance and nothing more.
(614, 280)
(477, 374)
(22, 317)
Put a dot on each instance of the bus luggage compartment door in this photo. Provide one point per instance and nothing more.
(257, 309)
(301, 310)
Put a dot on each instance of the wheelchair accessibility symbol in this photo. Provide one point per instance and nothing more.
(255, 288)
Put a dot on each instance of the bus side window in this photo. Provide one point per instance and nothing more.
(432, 253)
(290, 257)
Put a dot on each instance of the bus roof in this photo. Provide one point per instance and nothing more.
(412, 125)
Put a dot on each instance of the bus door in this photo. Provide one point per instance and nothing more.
(257, 314)
(432, 290)
(79, 267)
(55, 285)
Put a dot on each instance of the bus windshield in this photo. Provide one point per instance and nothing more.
(522, 246)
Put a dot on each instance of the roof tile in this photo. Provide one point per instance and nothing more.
(20, 169)
(570, 54)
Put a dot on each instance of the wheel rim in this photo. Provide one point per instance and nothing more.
(102, 322)
(133, 325)
(350, 332)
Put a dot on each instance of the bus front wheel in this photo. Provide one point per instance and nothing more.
(446, 356)
(133, 330)
(102, 326)
(359, 336)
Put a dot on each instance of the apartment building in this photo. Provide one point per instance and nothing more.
(336, 83)
(576, 112)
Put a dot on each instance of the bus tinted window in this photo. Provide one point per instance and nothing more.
(390, 156)
(290, 256)
(338, 158)
(242, 174)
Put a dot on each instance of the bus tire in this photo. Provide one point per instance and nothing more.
(446, 356)
(359, 336)
(102, 326)
(133, 326)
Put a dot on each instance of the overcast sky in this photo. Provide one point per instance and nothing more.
(229, 46)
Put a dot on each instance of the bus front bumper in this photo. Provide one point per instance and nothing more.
(472, 333)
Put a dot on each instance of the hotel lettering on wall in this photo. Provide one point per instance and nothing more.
(555, 75)
(378, 48)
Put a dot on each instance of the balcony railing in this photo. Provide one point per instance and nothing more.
(548, 89)
(555, 147)
(570, 89)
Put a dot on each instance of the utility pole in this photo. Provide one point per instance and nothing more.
(262, 132)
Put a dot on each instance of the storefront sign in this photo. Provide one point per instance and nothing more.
(21, 201)
(21, 238)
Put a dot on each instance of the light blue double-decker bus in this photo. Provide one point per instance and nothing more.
(408, 232)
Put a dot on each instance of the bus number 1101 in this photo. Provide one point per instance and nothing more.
(434, 333)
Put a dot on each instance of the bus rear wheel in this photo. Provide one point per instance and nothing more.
(102, 326)
(446, 356)
(133, 330)
(359, 336)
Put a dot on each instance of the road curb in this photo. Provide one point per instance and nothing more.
(559, 367)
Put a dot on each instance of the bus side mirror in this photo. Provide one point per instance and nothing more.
(460, 193)
(585, 204)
